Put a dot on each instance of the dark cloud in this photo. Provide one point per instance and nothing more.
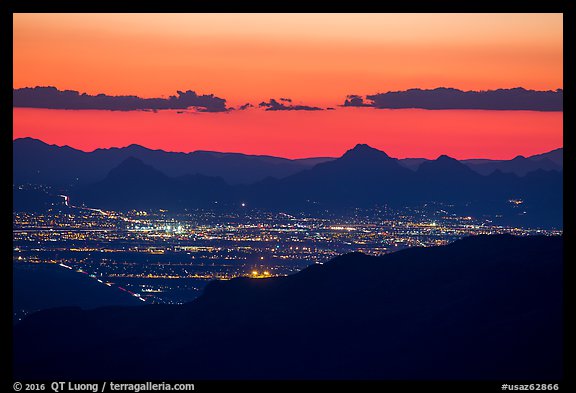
(447, 98)
(285, 99)
(355, 100)
(245, 106)
(274, 105)
(52, 98)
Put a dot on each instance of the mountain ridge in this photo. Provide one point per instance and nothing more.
(469, 310)
(361, 177)
(38, 162)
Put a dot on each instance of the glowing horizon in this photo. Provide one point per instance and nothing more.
(461, 134)
(313, 59)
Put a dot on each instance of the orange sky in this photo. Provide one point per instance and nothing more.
(315, 59)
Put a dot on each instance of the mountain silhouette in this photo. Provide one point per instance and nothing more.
(360, 162)
(556, 156)
(412, 163)
(484, 307)
(364, 153)
(445, 166)
(448, 179)
(135, 185)
(520, 165)
(48, 285)
(361, 177)
(40, 163)
(135, 171)
(365, 177)
(552, 160)
(363, 174)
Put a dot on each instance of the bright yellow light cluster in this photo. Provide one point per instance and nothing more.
(257, 274)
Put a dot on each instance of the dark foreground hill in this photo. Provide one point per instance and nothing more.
(486, 307)
(37, 286)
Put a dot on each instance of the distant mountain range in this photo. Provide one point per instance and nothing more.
(520, 165)
(37, 162)
(481, 308)
(40, 163)
(362, 177)
(135, 185)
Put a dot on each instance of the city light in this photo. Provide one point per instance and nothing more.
(166, 257)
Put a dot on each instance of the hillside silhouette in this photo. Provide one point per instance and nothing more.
(365, 177)
(41, 163)
(484, 307)
(361, 177)
(135, 185)
(37, 162)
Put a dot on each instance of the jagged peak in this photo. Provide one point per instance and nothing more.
(445, 164)
(446, 158)
(364, 150)
(136, 146)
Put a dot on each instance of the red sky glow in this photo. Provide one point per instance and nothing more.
(314, 59)
(297, 134)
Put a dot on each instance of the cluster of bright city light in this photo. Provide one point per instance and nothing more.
(161, 256)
